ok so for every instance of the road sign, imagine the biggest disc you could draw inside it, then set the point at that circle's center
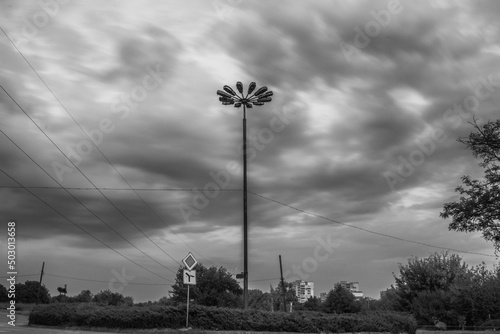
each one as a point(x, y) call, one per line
point(189, 277)
point(190, 261)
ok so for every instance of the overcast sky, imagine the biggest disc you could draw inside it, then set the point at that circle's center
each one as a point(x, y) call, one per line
point(369, 99)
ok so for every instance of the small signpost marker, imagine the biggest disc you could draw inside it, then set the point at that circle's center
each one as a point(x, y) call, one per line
point(189, 278)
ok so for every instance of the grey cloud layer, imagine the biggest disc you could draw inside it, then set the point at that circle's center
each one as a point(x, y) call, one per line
point(179, 133)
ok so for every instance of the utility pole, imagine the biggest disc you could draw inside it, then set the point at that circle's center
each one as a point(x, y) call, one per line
point(283, 285)
point(40, 285)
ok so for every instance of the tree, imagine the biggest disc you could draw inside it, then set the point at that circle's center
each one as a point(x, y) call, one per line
point(367, 304)
point(4, 295)
point(312, 304)
point(28, 292)
point(389, 300)
point(478, 208)
point(106, 297)
point(340, 300)
point(426, 286)
point(214, 287)
point(443, 287)
point(83, 297)
point(164, 301)
point(478, 299)
point(60, 299)
point(277, 296)
point(259, 300)
point(128, 301)
point(428, 306)
point(436, 272)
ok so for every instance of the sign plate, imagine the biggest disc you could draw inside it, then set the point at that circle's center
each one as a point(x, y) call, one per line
point(190, 261)
point(189, 277)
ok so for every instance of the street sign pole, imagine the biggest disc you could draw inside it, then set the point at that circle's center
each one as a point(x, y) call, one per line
point(189, 278)
point(187, 309)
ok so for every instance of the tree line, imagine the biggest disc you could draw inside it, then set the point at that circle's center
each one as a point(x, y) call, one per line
point(30, 292)
point(440, 287)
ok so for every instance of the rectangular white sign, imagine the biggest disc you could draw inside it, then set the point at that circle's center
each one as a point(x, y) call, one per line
point(189, 277)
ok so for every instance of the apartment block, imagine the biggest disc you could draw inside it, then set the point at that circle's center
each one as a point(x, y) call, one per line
point(353, 287)
point(303, 290)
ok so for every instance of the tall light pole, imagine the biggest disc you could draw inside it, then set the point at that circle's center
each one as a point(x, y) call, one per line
point(229, 97)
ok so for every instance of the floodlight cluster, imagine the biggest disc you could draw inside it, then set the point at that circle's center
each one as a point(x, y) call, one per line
point(228, 96)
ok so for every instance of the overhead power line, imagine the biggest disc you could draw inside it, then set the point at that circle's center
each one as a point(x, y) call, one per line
point(27, 275)
point(101, 281)
point(105, 157)
point(264, 279)
point(82, 229)
point(364, 229)
point(113, 188)
point(76, 199)
point(57, 182)
point(128, 283)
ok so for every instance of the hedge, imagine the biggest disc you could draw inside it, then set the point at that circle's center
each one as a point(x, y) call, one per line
point(211, 318)
point(492, 324)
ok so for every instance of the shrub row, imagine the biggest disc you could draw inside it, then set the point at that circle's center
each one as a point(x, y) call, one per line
point(492, 324)
point(210, 318)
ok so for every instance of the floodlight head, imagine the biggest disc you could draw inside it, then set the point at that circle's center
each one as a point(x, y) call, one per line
point(229, 90)
point(264, 99)
point(266, 94)
point(251, 88)
point(239, 86)
point(224, 94)
point(260, 90)
point(228, 96)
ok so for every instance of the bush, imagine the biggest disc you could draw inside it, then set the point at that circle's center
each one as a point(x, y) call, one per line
point(4, 295)
point(107, 297)
point(492, 324)
point(29, 291)
point(212, 318)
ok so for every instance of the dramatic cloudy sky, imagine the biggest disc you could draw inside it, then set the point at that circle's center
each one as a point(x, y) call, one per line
point(369, 98)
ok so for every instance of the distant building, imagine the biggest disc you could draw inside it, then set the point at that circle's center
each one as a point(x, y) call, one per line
point(353, 287)
point(323, 296)
point(303, 290)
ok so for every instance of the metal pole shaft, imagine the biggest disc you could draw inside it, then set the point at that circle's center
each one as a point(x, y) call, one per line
point(187, 309)
point(245, 213)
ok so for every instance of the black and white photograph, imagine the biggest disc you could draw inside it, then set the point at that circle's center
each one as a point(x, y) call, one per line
point(320, 166)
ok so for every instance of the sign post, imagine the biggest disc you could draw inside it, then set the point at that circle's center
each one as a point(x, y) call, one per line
point(187, 310)
point(189, 278)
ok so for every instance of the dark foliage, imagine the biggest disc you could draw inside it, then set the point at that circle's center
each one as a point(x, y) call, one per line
point(214, 287)
point(27, 292)
point(107, 297)
point(312, 304)
point(442, 287)
point(478, 208)
point(4, 296)
point(212, 318)
point(340, 300)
